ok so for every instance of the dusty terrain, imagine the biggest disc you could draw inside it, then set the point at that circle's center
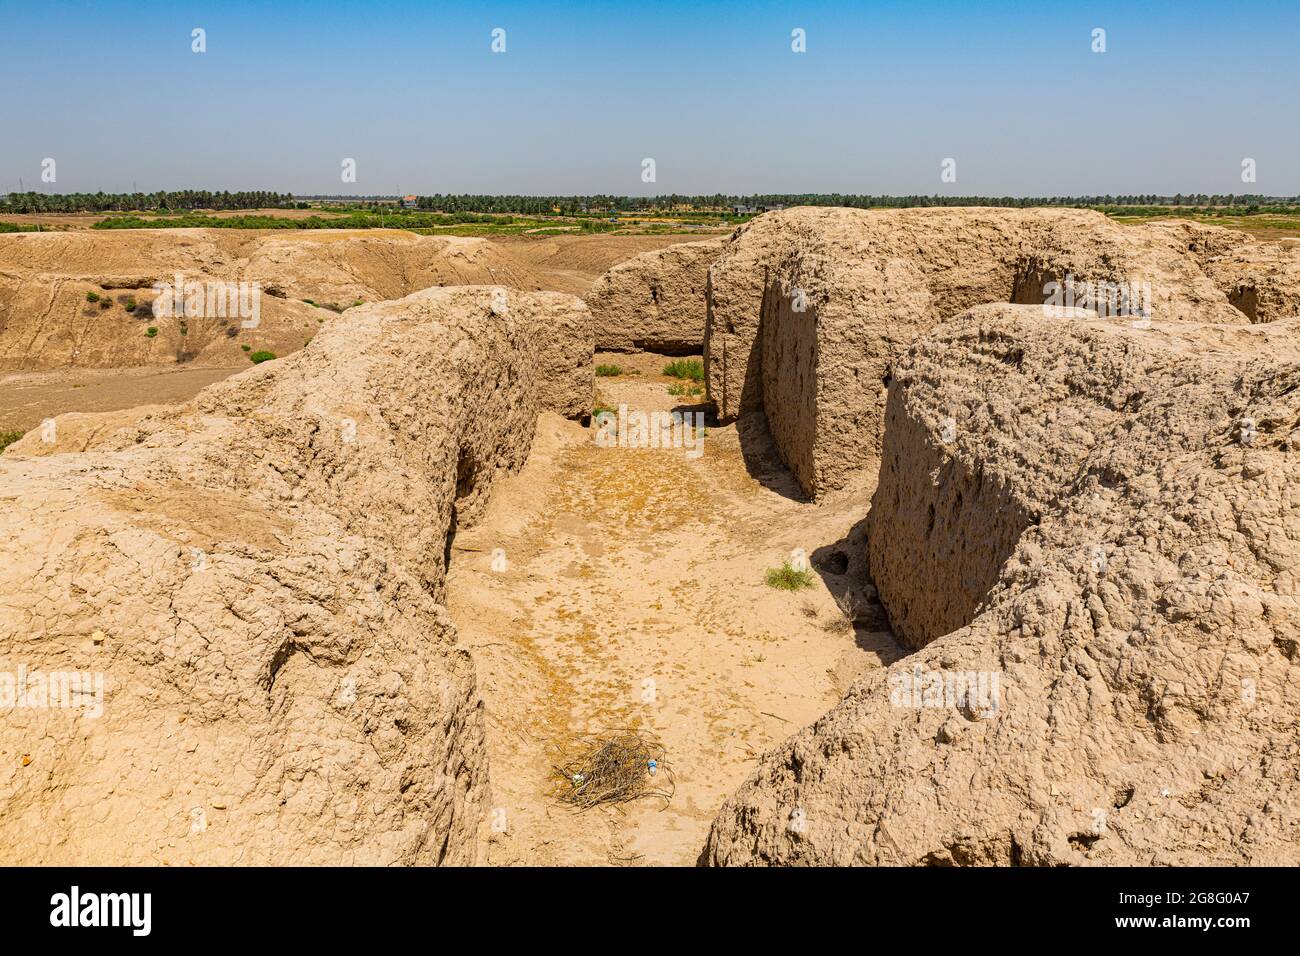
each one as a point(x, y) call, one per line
point(385, 578)
point(633, 597)
point(1119, 503)
point(257, 577)
point(28, 398)
point(573, 263)
point(651, 302)
point(57, 350)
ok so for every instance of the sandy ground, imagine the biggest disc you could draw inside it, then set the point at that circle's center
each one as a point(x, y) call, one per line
point(567, 263)
point(27, 398)
point(573, 263)
point(633, 595)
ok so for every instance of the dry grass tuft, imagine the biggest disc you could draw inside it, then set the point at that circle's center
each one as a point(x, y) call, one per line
point(614, 768)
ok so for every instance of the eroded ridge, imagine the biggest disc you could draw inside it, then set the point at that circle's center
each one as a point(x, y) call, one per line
point(655, 301)
point(258, 578)
point(809, 309)
point(1124, 689)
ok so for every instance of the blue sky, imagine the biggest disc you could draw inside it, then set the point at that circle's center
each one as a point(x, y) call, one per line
point(711, 91)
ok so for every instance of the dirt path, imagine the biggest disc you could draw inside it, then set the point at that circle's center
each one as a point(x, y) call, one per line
point(27, 398)
point(633, 596)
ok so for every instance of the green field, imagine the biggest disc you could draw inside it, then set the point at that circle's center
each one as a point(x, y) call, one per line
point(1266, 219)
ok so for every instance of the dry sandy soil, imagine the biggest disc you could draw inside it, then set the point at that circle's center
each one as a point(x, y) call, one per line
point(50, 290)
point(421, 575)
point(634, 596)
point(572, 263)
point(28, 398)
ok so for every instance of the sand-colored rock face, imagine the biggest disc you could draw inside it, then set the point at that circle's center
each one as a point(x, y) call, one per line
point(809, 308)
point(1261, 279)
point(563, 335)
point(1126, 498)
point(46, 321)
point(655, 301)
point(256, 579)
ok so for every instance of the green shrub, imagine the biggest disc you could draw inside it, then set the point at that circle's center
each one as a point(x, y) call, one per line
point(246, 347)
point(685, 368)
point(105, 303)
point(682, 388)
point(786, 578)
point(151, 331)
point(609, 370)
point(129, 303)
point(92, 296)
point(8, 438)
point(260, 356)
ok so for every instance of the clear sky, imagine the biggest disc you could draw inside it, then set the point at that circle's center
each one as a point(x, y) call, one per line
point(711, 91)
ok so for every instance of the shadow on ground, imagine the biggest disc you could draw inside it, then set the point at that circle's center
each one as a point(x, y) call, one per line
point(842, 566)
point(762, 461)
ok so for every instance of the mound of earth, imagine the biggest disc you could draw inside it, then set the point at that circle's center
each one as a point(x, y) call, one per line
point(808, 309)
point(571, 263)
point(47, 281)
point(654, 302)
point(1090, 532)
point(224, 621)
point(1262, 279)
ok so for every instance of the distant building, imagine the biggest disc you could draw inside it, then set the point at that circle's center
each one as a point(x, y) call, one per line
point(742, 210)
point(408, 202)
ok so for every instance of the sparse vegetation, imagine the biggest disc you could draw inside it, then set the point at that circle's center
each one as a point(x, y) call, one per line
point(92, 296)
point(151, 331)
point(105, 303)
point(786, 578)
point(612, 770)
point(692, 369)
point(682, 388)
point(246, 347)
point(609, 370)
point(8, 438)
point(129, 303)
point(850, 610)
point(260, 356)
